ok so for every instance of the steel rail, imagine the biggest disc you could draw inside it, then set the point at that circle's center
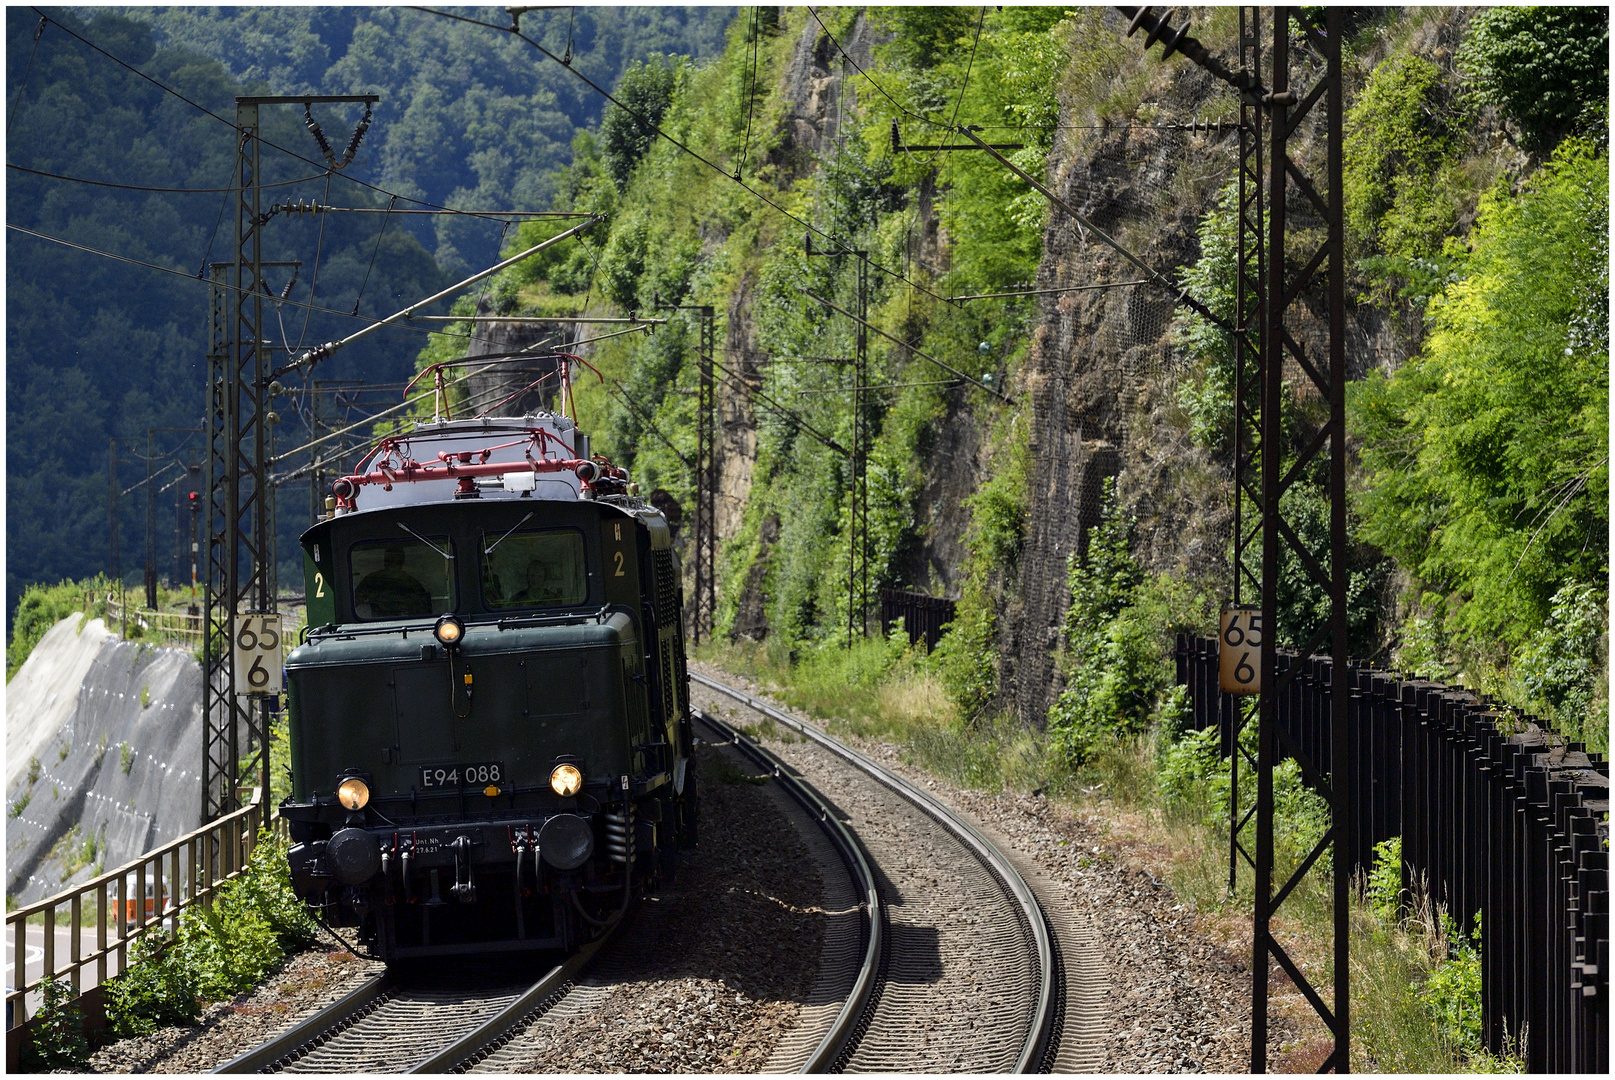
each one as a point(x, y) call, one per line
point(311, 1028)
point(1037, 1038)
point(330, 1020)
point(506, 1019)
point(835, 1040)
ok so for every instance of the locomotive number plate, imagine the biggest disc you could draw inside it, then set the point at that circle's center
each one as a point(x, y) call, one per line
point(457, 776)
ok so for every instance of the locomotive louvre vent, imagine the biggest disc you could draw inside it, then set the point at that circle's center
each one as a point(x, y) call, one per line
point(670, 705)
point(666, 589)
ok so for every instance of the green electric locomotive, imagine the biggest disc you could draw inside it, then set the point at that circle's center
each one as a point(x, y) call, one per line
point(489, 714)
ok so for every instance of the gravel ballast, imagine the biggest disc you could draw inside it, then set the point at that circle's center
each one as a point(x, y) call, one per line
point(1177, 1001)
point(709, 975)
point(306, 983)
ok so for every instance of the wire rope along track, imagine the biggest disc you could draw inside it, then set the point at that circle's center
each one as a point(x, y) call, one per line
point(1034, 1050)
point(836, 1040)
point(433, 1031)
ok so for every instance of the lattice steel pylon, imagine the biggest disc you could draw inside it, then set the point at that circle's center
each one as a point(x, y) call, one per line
point(1248, 311)
point(1275, 114)
point(858, 457)
point(1290, 108)
point(240, 518)
point(706, 485)
point(704, 610)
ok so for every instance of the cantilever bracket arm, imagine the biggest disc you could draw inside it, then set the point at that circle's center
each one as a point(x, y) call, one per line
point(313, 356)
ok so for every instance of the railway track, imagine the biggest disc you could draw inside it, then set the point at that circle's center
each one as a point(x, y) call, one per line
point(945, 959)
point(397, 1024)
point(965, 975)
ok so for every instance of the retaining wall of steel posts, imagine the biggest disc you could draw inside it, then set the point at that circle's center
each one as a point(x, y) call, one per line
point(923, 616)
point(1499, 817)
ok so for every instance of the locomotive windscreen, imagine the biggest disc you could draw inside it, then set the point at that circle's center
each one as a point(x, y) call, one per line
point(534, 569)
point(401, 579)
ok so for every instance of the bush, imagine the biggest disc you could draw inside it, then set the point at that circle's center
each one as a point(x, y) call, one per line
point(1546, 68)
point(1119, 630)
point(1452, 991)
point(1486, 470)
point(224, 949)
point(1384, 890)
point(58, 1041)
point(1188, 773)
point(1402, 141)
point(155, 990)
point(1208, 397)
point(1561, 668)
point(966, 659)
point(42, 607)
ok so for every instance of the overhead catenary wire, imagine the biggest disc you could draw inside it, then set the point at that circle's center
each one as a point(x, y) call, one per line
point(1051, 292)
point(922, 355)
point(321, 352)
point(785, 411)
point(1182, 293)
point(318, 208)
point(889, 386)
point(485, 362)
point(637, 115)
point(163, 190)
point(272, 145)
point(222, 284)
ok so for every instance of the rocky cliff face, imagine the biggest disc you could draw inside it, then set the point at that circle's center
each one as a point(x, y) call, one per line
point(1104, 372)
point(821, 90)
point(515, 389)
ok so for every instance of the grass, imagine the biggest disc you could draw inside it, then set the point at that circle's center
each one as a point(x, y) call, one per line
point(1164, 803)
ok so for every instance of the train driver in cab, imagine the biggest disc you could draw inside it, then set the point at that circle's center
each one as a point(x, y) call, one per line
point(392, 592)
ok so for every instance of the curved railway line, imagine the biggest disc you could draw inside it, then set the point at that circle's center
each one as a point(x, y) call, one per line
point(969, 977)
point(940, 957)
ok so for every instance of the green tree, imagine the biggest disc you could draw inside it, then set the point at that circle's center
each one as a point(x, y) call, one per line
point(1487, 456)
point(1546, 68)
point(626, 131)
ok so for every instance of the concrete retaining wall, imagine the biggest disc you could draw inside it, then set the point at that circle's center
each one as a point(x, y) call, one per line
point(122, 770)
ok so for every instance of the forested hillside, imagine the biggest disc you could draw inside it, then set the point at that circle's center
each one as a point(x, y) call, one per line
point(97, 348)
point(1003, 430)
point(1480, 516)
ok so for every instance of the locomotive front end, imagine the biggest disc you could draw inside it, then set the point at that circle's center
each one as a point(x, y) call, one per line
point(488, 722)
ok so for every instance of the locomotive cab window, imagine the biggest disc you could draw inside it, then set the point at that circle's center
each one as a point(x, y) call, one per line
point(404, 578)
point(534, 569)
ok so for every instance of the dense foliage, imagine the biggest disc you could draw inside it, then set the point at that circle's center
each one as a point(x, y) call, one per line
point(1546, 68)
point(1403, 140)
point(684, 233)
point(468, 117)
point(224, 948)
point(42, 607)
point(1487, 454)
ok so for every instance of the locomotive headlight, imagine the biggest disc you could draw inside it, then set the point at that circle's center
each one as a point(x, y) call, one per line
point(448, 631)
point(353, 793)
point(566, 781)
